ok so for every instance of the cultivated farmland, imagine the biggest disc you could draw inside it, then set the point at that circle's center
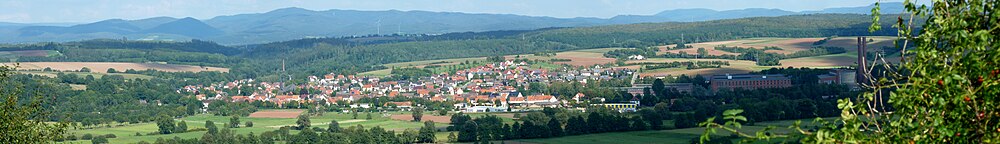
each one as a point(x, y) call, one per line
point(291, 113)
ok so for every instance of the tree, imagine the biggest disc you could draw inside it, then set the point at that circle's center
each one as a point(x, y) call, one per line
point(302, 122)
point(418, 113)
point(181, 127)
point(658, 88)
point(427, 133)
point(112, 70)
point(368, 115)
point(211, 127)
point(22, 123)
point(576, 126)
point(166, 124)
point(334, 127)
point(555, 128)
point(702, 52)
point(234, 122)
point(469, 132)
point(85, 69)
point(944, 91)
point(442, 112)
point(654, 118)
point(249, 124)
point(305, 136)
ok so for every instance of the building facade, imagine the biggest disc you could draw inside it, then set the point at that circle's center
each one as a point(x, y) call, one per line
point(749, 81)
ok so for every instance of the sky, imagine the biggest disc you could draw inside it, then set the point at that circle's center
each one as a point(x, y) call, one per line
point(84, 11)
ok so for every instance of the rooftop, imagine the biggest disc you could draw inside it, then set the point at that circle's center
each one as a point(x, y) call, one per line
point(750, 77)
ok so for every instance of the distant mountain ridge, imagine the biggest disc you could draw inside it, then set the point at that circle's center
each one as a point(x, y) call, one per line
point(296, 23)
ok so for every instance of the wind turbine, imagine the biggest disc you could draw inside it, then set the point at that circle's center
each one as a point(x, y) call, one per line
point(378, 26)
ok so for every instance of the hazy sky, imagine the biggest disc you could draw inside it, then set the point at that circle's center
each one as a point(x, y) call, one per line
point(46, 11)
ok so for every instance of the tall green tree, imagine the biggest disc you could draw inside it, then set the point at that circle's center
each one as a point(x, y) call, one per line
point(702, 52)
point(24, 123)
point(658, 88)
point(427, 132)
point(469, 132)
point(212, 129)
point(418, 113)
point(181, 127)
point(234, 121)
point(368, 115)
point(165, 124)
point(334, 127)
point(303, 122)
point(555, 127)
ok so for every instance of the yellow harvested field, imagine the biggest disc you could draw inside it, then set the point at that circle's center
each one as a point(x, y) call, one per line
point(583, 58)
point(292, 113)
point(102, 67)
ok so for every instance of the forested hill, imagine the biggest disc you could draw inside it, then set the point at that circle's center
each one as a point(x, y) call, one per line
point(296, 23)
point(811, 25)
point(358, 54)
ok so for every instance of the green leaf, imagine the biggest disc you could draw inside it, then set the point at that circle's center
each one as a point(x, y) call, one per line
point(732, 112)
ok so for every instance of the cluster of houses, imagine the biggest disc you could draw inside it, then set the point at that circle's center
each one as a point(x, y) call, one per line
point(486, 88)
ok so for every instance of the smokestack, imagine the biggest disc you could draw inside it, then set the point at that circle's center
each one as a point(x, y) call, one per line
point(862, 62)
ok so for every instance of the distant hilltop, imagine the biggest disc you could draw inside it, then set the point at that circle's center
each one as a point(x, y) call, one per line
point(296, 23)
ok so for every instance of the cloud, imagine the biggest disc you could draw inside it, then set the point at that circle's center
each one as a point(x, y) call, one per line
point(15, 17)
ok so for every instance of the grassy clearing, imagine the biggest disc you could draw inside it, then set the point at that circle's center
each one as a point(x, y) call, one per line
point(377, 73)
point(126, 134)
point(78, 86)
point(662, 136)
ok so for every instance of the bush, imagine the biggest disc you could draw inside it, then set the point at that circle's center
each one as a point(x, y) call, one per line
point(110, 136)
point(71, 137)
point(87, 136)
point(248, 124)
point(99, 140)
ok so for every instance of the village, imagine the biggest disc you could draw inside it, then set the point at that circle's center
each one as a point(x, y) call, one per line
point(488, 88)
point(493, 87)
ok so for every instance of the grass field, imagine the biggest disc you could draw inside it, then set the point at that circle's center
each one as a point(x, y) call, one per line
point(126, 134)
point(84, 74)
point(661, 136)
point(102, 67)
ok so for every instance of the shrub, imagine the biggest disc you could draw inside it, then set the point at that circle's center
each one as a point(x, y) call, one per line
point(87, 136)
